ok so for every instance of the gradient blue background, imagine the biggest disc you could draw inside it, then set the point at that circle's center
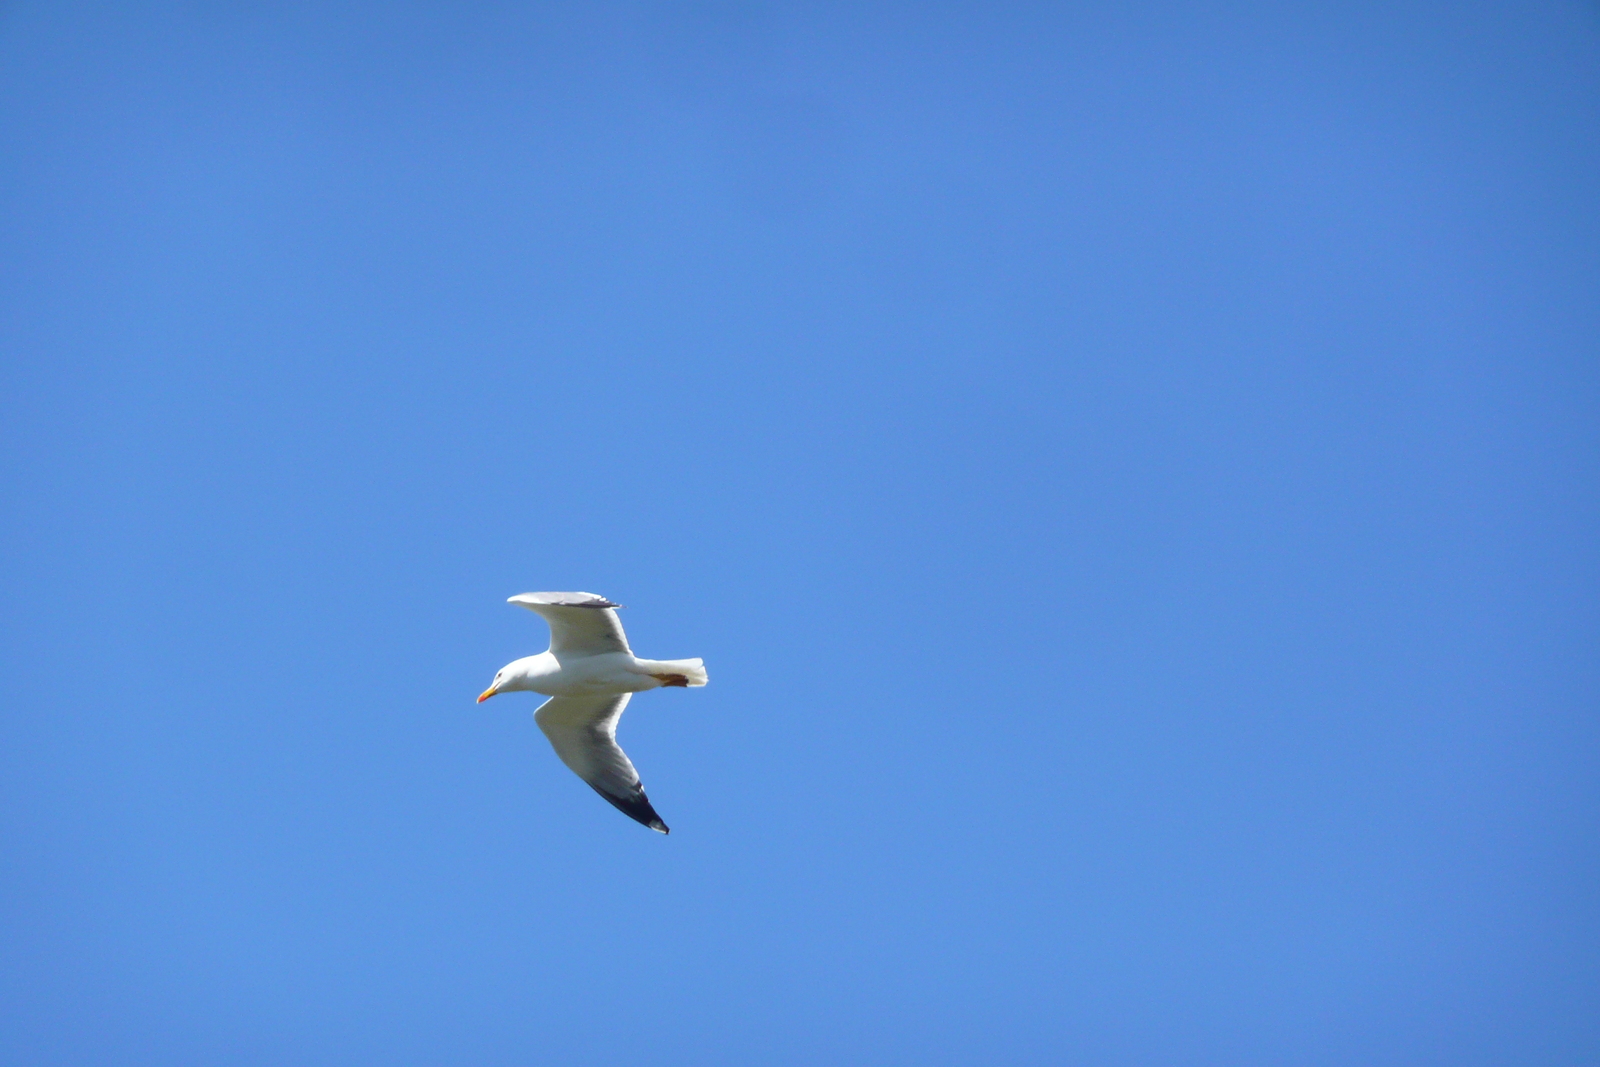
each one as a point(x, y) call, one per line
point(1130, 469)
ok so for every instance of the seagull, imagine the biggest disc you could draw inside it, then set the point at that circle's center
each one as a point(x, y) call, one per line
point(589, 673)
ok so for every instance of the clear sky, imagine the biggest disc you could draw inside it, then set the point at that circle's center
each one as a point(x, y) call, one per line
point(1130, 470)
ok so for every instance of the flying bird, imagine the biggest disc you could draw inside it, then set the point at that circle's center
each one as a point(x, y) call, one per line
point(589, 673)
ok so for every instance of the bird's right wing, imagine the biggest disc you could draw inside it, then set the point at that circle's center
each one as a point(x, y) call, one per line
point(583, 731)
point(581, 624)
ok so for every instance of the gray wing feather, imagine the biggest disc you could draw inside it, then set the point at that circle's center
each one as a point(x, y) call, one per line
point(581, 624)
point(583, 731)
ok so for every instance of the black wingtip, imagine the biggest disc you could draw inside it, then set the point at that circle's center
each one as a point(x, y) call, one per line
point(637, 808)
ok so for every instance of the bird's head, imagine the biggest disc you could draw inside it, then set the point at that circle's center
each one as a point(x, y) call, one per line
point(504, 678)
point(517, 675)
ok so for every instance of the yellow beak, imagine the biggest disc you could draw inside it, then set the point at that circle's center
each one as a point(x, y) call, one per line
point(486, 694)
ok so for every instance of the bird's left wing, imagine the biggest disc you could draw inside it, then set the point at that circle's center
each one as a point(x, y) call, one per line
point(581, 624)
point(583, 731)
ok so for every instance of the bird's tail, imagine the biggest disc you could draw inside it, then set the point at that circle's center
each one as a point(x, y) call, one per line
point(681, 672)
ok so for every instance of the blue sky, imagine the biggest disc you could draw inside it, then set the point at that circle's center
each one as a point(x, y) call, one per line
point(1129, 469)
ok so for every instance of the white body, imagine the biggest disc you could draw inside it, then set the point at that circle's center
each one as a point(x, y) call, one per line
point(606, 674)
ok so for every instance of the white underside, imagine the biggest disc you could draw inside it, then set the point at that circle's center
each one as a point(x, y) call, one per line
point(608, 674)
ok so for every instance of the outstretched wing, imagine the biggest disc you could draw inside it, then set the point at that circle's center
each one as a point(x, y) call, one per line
point(583, 731)
point(581, 624)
